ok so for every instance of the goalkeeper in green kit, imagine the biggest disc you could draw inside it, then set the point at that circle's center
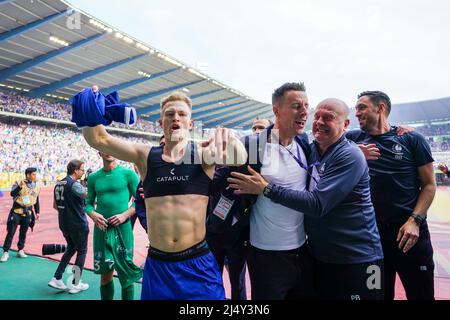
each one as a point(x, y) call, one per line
point(108, 204)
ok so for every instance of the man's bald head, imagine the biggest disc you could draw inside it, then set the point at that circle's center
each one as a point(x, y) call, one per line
point(336, 105)
point(331, 119)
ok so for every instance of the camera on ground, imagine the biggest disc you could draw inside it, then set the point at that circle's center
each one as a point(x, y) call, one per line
point(50, 249)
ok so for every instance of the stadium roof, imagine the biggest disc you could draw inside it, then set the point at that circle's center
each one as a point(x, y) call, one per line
point(48, 48)
point(421, 112)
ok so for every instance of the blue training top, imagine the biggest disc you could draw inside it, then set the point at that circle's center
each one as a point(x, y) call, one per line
point(339, 216)
point(394, 179)
point(170, 179)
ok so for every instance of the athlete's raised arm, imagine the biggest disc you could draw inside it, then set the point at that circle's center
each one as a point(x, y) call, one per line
point(99, 139)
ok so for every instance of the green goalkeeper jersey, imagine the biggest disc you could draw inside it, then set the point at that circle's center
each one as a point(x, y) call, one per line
point(109, 194)
point(111, 190)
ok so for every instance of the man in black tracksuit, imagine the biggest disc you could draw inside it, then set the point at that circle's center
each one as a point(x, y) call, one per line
point(69, 200)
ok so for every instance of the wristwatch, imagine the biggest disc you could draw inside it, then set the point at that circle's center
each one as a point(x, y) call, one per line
point(268, 190)
point(419, 219)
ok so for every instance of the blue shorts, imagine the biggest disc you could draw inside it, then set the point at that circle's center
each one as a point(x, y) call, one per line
point(192, 274)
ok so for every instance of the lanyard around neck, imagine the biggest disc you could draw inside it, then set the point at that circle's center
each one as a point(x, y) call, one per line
point(300, 163)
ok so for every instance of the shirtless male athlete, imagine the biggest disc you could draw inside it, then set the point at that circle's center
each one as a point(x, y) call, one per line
point(176, 179)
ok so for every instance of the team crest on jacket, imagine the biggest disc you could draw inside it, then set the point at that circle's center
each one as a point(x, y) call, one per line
point(398, 151)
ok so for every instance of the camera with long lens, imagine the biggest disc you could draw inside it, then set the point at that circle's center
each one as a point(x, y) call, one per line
point(49, 249)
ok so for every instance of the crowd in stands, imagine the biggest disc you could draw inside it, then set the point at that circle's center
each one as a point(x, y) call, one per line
point(34, 107)
point(46, 148)
point(15, 103)
point(12, 102)
point(434, 130)
point(439, 146)
point(49, 148)
point(437, 135)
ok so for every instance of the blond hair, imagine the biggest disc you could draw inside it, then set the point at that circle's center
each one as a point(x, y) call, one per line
point(176, 96)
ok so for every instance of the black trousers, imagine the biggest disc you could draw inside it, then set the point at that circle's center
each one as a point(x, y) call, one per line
point(14, 220)
point(77, 241)
point(236, 256)
point(281, 275)
point(362, 281)
point(133, 220)
point(415, 268)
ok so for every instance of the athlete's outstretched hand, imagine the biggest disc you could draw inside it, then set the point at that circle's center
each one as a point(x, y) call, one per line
point(223, 148)
point(215, 148)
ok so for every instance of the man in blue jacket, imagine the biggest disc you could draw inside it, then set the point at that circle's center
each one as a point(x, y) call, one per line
point(339, 216)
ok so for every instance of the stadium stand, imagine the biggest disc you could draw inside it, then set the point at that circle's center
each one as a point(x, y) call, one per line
point(12, 102)
point(46, 147)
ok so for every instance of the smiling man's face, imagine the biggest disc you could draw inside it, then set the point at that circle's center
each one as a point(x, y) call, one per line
point(330, 122)
point(292, 112)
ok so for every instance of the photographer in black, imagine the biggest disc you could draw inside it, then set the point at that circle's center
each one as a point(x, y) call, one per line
point(24, 212)
point(69, 200)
